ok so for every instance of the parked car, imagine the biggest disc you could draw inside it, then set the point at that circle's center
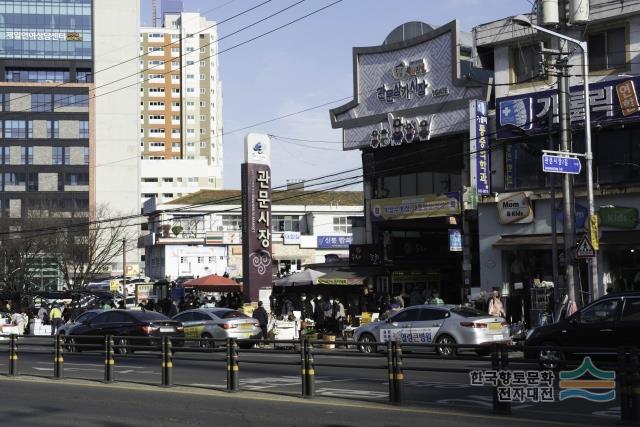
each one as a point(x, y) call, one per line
point(218, 323)
point(131, 327)
point(605, 324)
point(435, 323)
point(81, 319)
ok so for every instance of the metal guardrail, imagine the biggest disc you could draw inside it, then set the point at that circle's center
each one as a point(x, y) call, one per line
point(626, 365)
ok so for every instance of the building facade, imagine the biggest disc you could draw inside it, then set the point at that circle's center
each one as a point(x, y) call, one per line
point(411, 118)
point(201, 234)
point(53, 119)
point(516, 222)
point(180, 107)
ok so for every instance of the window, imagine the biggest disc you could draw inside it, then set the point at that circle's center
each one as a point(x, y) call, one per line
point(191, 90)
point(18, 129)
point(85, 154)
point(70, 100)
point(36, 76)
point(156, 90)
point(26, 155)
point(607, 49)
point(525, 63)
point(432, 314)
point(15, 178)
point(32, 181)
point(40, 102)
point(53, 131)
point(149, 179)
point(231, 223)
point(84, 129)
point(167, 179)
point(631, 312)
point(156, 49)
point(76, 179)
point(200, 260)
point(5, 152)
point(167, 194)
point(61, 155)
point(156, 117)
point(281, 223)
point(156, 104)
point(409, 315)
point(604, 311)
point(203, 118)
point(341, 224)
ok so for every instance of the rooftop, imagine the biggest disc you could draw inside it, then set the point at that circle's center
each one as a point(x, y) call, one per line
point(282, 197)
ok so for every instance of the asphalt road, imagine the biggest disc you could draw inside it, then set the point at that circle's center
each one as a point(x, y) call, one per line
point(278, 373)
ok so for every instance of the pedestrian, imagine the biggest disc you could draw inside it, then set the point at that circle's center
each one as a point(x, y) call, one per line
point(56, 319)
point(435, 298)
point(173, 309)
point(260, 314)
point(43, 313)
point(496, 308)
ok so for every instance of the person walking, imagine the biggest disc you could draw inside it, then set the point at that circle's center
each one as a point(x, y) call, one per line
point(496, 308)
point(260, 314)
point(55, 315)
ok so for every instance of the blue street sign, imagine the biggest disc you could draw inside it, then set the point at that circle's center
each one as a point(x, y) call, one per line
point(561, 164)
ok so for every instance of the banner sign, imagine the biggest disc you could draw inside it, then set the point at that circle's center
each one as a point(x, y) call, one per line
point(334, 242)
point(455, 240)
point(614, 217)
point(427, 206)
point(514, 208)
point(610, 101)
point(365, 254)
point(256, 215)
point(582, 213)
point(480, 156)
point(291, 237)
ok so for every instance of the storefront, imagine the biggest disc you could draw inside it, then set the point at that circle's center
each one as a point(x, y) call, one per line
point(415, 105)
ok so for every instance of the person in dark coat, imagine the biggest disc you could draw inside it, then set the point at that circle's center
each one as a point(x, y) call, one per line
point(306, 307)
point(260, 314)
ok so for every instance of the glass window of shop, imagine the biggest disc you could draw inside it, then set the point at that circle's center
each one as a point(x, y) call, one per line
point(280, 223)
point(413, 184)
point(616, 159)
point(59, 29)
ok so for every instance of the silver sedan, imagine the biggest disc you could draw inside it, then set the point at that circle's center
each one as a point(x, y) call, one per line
point(439, 324)
point(218, 323)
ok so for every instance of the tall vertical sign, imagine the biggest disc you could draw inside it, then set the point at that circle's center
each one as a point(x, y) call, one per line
point(256, 215)
point(480, 156)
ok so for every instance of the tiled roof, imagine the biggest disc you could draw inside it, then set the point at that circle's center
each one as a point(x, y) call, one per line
point(282, 197)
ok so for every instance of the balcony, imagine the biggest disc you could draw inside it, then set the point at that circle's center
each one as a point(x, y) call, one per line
point(156, 107)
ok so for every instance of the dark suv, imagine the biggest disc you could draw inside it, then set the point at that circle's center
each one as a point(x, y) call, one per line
point(605, 325)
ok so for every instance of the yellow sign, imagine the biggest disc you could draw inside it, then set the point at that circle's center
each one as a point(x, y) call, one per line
point(593, 232)
point(114, 286)
point(74, 37)
point(194, 331)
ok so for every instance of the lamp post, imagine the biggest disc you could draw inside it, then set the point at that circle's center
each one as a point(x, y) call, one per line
point(525, 22)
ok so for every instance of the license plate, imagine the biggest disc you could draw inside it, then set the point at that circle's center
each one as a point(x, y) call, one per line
point(167, 329)
point(496, 337)
point(246, 326)
point(494, 326)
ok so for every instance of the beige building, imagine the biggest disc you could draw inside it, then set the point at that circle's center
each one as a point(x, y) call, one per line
point(180, 107)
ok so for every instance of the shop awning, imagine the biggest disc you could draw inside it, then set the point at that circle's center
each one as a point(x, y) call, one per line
point(213, 283)
point(629, 238)
point(304, 278)
point(528, 241)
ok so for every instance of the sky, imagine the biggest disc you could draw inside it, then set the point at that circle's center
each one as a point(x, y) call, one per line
point(307, 64)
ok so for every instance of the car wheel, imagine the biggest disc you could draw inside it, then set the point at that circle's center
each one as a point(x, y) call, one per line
point(446, 351)
point(550, 359)
point(365, 346)
point(123, 346)
point(205, 344)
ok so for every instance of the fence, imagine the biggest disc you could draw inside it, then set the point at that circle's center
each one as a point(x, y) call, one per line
point(389, 354)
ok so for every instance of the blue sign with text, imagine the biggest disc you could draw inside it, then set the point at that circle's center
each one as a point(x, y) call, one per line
point(561, 164)
point(334, 242)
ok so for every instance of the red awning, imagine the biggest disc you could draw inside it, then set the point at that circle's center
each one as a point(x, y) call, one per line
point(213, 283)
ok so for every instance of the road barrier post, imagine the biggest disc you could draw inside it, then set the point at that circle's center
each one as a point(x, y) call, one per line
point(398, 374)
point(232, 365)
point(13, 355)
point(391, 372)
point(635, 387)
point(303, 365)
point(58, 360)
point(167, 362)
point(109, 361)
point(498, 363)
point(311, 373)
point(629, 386)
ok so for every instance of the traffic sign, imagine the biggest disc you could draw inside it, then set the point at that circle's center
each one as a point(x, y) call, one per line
point(561, 164)
point(585, 249)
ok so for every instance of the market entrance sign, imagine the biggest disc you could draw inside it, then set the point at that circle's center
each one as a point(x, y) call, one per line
point(427, 206)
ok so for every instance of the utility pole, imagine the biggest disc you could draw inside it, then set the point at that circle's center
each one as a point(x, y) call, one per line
point(568, 222)
point(124, 269)
point(557, 291)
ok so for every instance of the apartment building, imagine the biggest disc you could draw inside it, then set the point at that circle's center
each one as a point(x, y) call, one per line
point(180, 107)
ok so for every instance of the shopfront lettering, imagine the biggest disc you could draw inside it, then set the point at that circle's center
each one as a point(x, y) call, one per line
point(401, 90)
point(401, 131)
point(515, 208)
point(30, 35)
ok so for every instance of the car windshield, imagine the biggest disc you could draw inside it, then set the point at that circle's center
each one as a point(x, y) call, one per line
point(468, 312)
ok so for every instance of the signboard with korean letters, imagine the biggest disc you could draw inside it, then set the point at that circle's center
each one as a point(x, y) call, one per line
point(611, 101)
point(256, 215)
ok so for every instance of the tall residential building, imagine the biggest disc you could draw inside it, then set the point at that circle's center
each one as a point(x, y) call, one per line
point(68, 145)
point(180, 107)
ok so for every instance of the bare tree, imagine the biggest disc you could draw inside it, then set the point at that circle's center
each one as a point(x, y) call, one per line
point(84, 248)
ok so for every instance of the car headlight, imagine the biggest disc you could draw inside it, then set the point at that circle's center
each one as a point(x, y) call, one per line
point(529, 334)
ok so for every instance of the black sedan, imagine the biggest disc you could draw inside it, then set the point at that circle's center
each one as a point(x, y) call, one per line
point(133, 330)
point(602, 326)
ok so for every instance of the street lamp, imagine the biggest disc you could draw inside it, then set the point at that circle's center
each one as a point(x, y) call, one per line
point(526, 22)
